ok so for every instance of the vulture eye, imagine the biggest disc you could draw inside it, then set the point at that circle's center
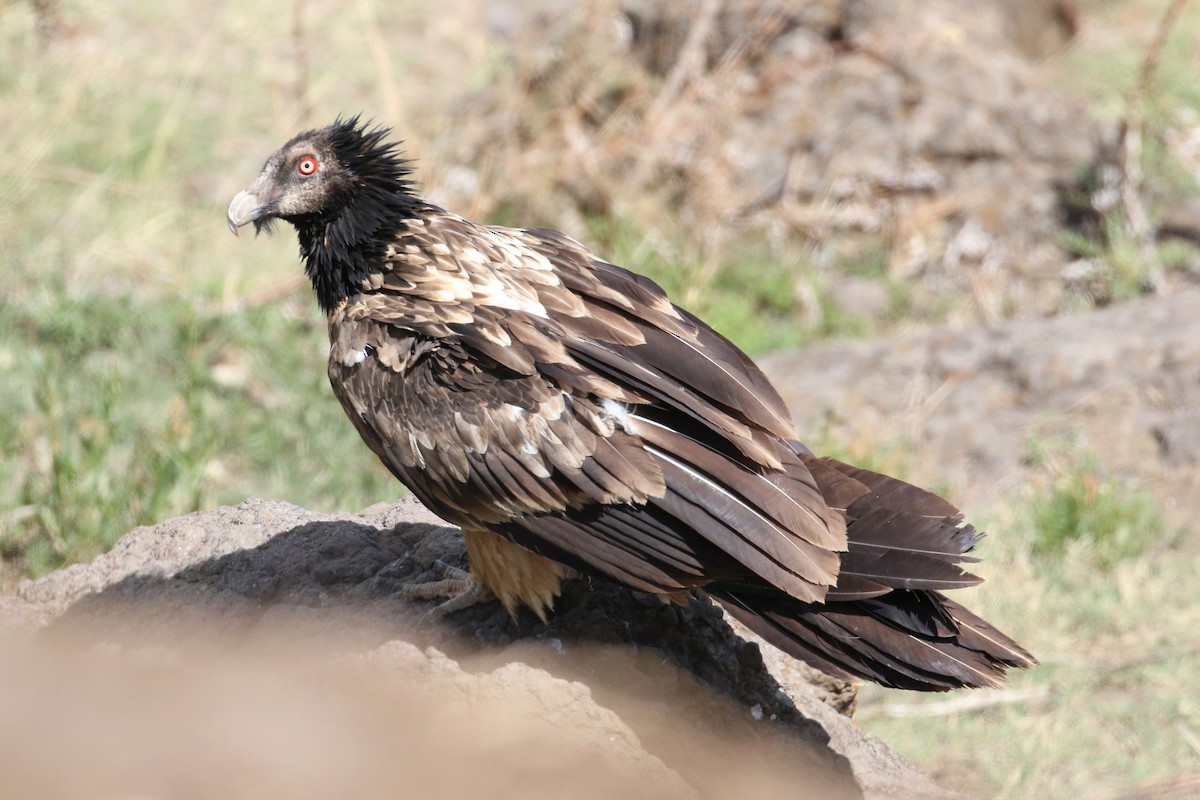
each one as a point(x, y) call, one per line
point(306, 165)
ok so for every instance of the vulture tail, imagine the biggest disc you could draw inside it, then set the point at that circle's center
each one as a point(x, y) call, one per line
point(886, 620)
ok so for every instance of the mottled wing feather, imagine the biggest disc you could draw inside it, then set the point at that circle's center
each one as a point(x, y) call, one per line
point(480, 367)
point(476, 447)
point(672, 341)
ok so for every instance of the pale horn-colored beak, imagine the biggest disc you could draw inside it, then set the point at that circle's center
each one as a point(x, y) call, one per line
point(245, 208)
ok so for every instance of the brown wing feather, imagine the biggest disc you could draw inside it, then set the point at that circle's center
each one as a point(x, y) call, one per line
point(533, 406)
point(516, 384)
point(673, 342)
point(487, 450)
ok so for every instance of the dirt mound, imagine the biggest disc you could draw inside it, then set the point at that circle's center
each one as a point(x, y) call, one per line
point(1123, 383)
point(393, 722)
point(519, 709)
point(923, 133)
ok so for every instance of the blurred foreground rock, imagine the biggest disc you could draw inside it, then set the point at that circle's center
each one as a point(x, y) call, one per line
point(619, 695)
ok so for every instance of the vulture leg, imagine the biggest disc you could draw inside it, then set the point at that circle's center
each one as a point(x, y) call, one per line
point(500, 570)
point(460, 588)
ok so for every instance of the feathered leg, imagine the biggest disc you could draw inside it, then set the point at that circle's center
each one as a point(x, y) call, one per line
point(499, 569)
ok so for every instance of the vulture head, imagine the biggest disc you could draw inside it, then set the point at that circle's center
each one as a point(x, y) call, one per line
point(346, 190)
point(320, 174)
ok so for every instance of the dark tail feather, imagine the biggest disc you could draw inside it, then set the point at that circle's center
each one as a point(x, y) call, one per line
point(885, 620)
point(905, 640)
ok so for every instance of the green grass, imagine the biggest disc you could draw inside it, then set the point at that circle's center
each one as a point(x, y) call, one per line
point(123, 412)
point(1084, 508)
point(1111, 619)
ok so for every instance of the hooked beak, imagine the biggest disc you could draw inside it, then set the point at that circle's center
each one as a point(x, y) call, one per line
point(245, 208)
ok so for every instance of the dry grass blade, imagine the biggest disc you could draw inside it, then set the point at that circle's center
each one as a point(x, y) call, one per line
point(1189, 736)
point(1153, 657)
point(690, 64)
point(1123, 183)
point(963, 704)
point(300, 46)
point(393, 107)
point(1173, 788)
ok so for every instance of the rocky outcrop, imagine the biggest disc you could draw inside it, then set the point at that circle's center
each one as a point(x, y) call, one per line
point(619, 695)
point(919, 135)
point(968, 406)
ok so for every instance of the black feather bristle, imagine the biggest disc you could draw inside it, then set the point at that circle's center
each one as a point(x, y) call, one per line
point(340, 245)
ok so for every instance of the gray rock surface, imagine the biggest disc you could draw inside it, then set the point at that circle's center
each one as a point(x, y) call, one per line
point(1122, 383)
point(666, 701)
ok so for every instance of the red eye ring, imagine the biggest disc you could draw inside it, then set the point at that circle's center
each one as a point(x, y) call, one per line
point(306, 166)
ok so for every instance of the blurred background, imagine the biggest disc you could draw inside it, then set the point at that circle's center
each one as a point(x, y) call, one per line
point(795, 173)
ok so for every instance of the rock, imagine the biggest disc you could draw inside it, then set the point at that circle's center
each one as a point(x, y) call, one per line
point(649, 700)
point(861, 297)
point(925, 128)
point(127, 721)
point(967, 404)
